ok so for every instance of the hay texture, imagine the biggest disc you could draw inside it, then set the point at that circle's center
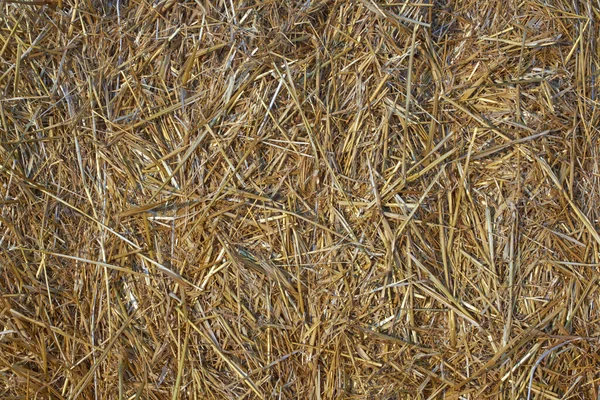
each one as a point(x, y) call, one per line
point(253, 199)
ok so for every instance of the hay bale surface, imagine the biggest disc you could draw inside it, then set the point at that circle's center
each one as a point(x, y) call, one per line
point(303, 199)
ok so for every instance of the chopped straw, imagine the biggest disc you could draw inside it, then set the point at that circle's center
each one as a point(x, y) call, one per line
point(315, 199)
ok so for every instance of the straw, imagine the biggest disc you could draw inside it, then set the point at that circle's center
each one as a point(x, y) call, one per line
point(299, 200)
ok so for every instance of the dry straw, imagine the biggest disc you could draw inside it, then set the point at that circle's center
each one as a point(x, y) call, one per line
point(299, 199)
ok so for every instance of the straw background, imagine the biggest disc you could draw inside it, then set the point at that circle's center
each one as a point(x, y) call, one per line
point(318, 199)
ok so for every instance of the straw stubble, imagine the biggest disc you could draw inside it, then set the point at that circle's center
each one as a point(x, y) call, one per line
point(305, 199)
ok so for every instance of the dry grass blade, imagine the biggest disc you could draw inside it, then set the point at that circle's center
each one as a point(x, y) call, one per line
point(313, 199)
